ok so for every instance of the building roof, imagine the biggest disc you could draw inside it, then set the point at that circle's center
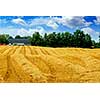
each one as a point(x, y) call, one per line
point(25, 41)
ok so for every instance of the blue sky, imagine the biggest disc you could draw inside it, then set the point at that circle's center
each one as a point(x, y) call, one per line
point(27, 25)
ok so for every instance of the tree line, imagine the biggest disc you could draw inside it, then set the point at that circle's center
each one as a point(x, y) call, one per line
point(61, 39)
point(64, 39)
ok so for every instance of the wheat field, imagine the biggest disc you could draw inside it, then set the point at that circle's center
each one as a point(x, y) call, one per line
point(33, 64)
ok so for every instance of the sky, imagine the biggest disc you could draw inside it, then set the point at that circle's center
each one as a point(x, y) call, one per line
point(27, 25)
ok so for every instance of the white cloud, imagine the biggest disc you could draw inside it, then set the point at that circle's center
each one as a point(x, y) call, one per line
point(89, 31)
point(97, 21)
point(39, 21)
point(68, 17)
point(19, 21)
point(39, 29)
point(69, 21)
point(92, 32)
point(10, 31)
point(29, 32)
point(72, 21)
point(22, 31)
point(52, 24)
point(44, 21)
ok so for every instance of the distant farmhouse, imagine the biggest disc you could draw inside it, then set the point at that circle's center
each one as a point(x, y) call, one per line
point(19, 42)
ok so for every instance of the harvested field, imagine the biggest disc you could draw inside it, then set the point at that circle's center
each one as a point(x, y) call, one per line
point(31, 64)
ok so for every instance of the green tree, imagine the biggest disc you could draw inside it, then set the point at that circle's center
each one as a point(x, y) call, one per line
point(52, 39)
point(45, 40)
point(58, 40)
point(36, 39)
point(79, 38)
point(10, 37)
point(4, 39)
point(66, 39)
point(17, 37)
point(88, 42)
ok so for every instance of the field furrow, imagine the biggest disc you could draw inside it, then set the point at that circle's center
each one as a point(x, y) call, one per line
point(25, 64)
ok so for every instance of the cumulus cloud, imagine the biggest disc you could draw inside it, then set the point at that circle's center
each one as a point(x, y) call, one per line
point(19, 21)
point(39, 21)
point(94, 34)
point(89, 30)
point(29, 32)
point(10, 31)
point(39, 29)
point(44, 21)
point(22, 31)
point(97, 21)
point(73, 21)
point(52, 24)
